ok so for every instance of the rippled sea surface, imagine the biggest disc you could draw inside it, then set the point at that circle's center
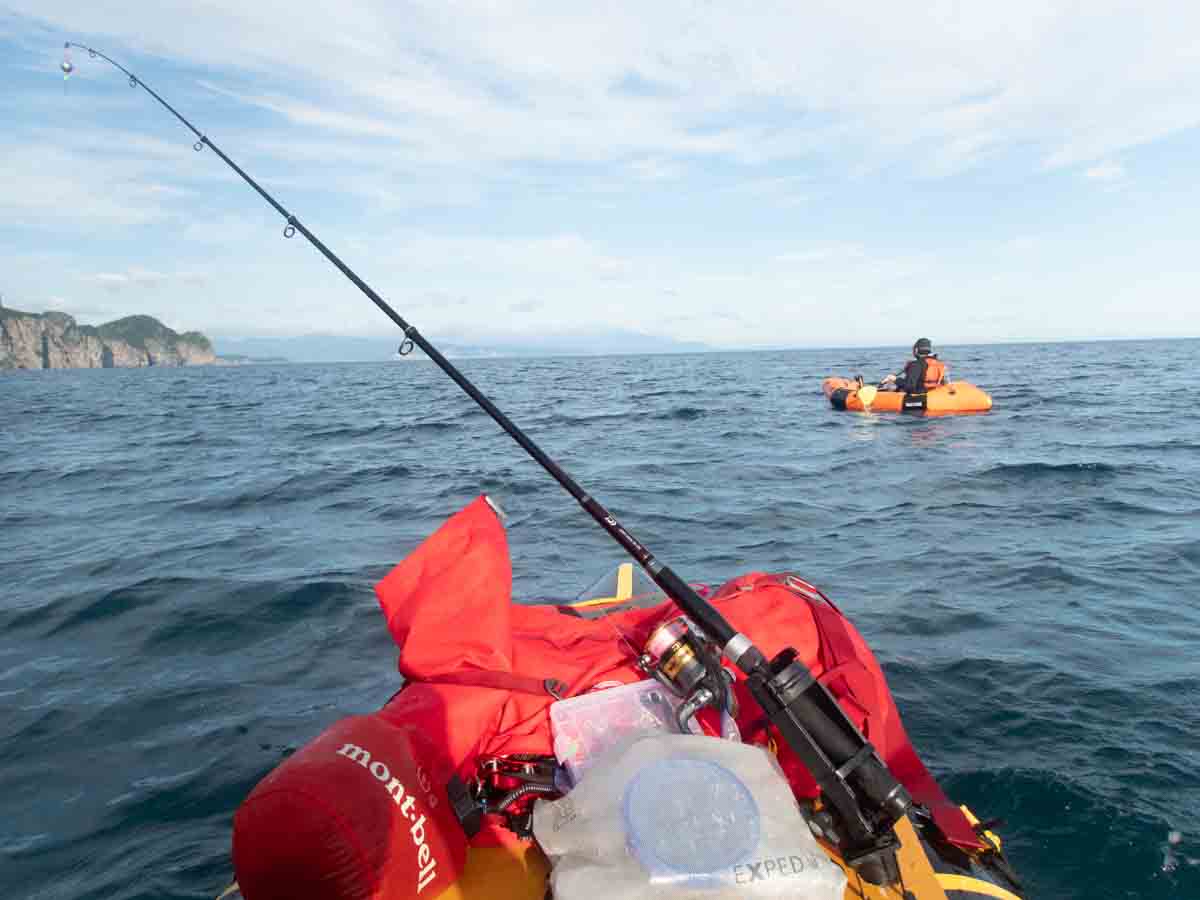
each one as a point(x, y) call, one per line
point(188, 559)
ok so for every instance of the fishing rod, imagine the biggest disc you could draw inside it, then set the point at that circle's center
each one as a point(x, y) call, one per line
point(867, 798)
point(675, 587)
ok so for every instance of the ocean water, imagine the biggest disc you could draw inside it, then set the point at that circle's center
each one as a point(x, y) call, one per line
point(188, 559)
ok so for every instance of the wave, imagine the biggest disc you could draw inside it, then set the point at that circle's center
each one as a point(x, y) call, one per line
point(251, 613)
point(294, 488)
point(666, 392)
point(1044, 817)
point(354, 432)
point(115, 603)
point(1042, 471)
point(194, 596)
point(685, 413)
point(592, 419)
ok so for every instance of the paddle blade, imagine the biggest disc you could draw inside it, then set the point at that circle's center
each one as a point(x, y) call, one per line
point(867, 395)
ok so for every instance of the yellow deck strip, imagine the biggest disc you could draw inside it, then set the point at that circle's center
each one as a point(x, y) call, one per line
point(971, 885)
point(625, 581)
point(918, 876)
point(624, 589)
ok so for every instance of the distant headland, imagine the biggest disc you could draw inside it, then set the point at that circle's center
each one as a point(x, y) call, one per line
point(54, 340)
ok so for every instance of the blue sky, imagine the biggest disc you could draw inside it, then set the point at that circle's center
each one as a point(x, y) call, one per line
point(741, 174)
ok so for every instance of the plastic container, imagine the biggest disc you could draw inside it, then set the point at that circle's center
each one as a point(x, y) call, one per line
point(584, 727)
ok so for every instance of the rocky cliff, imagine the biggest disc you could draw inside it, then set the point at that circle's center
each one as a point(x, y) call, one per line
point(53, 340)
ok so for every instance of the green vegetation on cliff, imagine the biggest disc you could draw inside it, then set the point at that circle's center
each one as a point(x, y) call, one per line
point(136, 330)
point(195, 337)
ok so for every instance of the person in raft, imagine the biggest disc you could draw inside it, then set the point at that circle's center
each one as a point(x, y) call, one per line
point(921, 373)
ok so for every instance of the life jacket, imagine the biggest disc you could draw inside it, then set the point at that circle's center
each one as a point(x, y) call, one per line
point(935, 371)
point(364, 806)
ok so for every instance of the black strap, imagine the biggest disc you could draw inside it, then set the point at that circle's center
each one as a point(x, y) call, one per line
point(468, 812)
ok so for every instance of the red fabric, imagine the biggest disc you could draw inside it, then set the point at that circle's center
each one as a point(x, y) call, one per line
point(324, 824)
point(537, 642)
point(359, 813)
point(447, 605)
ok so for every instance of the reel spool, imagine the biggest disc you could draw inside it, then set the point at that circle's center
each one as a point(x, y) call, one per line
point(679, 658)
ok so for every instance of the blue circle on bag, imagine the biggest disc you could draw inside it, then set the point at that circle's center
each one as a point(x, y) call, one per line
point(690, 820)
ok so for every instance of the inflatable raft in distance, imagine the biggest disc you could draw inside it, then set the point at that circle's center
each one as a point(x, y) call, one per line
point(949, 399)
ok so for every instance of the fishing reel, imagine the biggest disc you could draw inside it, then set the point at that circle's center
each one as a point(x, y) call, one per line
point(863, 799)
point(687, 664)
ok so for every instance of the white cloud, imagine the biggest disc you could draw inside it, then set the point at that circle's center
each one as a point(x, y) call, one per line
point(1105, 171)
point(92, 177)
point(110, 281)
point(146, 277)
point(944, 86)
point(782, 190)
point(226, 230)
point(428, 127)
point(651, 169)
point(823, 254)
point(139, 277)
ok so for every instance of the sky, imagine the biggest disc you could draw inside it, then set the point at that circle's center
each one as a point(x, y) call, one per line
point(739, 174)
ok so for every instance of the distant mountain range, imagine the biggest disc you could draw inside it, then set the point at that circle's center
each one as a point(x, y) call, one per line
point(56, 340)
point(335, 348)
